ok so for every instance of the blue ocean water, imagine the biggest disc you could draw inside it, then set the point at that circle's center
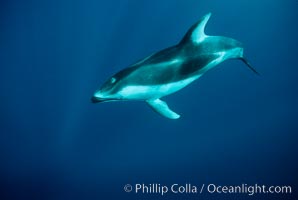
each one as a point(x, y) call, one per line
point(236, 127)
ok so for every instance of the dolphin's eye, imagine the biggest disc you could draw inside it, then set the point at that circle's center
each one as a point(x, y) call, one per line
point(113, 80)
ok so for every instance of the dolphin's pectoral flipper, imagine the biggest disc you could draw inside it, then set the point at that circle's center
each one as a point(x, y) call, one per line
point(162, 108)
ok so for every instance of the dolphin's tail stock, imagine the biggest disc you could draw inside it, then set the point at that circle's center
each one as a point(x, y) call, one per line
point(249, 65)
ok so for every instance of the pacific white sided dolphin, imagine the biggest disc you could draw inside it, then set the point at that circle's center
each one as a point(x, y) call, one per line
point(171, 69)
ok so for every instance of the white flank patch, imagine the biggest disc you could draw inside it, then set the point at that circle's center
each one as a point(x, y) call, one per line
point(140, 92)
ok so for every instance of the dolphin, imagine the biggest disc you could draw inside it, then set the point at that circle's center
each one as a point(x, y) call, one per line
point(171, 69)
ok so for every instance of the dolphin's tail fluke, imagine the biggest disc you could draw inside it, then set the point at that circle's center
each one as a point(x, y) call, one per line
point(249, 65)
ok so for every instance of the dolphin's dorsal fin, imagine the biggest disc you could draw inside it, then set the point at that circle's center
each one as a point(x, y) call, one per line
point(196, 33)
point(162, 108)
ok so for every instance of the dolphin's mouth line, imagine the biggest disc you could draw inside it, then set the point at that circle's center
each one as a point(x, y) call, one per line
point(100, 100)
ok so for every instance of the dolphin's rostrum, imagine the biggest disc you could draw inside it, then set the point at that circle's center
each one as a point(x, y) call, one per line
point(171, 69)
